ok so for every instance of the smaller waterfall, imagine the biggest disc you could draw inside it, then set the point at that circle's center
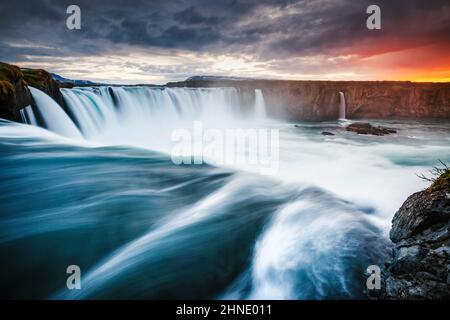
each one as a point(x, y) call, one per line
point(53, 115)
point(28, 116)
point(342, 105)
point(260, 106)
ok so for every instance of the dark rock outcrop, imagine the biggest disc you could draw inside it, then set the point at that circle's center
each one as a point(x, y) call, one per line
point(319, 100)
point(43, 81)
point(420, 230)
point(367, 128)
point(14, 93)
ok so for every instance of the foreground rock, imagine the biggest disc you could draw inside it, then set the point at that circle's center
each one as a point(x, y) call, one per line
point(367, 128)
point(420, 230)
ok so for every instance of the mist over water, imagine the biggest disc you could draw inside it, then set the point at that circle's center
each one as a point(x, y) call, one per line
point(98, 189)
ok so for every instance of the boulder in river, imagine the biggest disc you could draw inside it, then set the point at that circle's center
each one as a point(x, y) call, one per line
point(367, 128)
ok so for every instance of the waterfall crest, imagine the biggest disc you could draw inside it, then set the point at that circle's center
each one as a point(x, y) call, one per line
point(54, 117)
point(94, 112)
point(260, 106)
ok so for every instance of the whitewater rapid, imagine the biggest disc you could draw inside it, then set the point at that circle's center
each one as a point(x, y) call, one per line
point(93, 184)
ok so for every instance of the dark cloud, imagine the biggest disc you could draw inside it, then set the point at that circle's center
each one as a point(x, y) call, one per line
point(192, 16)
point(264, 28)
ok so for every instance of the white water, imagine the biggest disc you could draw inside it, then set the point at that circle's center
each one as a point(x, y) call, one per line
point(53, 115)
point(260, 106)
point(28, 117)
point(342, 105)
point(98, 110)
point(359, 169)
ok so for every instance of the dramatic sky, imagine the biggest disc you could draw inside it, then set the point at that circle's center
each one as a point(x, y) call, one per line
point(137, 41)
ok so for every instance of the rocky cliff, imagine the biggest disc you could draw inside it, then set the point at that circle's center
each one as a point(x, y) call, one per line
point(319, 100)
point(14, 92)
point(420, 268)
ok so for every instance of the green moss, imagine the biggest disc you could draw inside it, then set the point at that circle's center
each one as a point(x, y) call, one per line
point(9, 73)
point(6, 88)
point(37, 78)
point(442, 182)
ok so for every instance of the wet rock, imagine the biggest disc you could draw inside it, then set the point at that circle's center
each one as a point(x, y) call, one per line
point(326, 133)
point(367, 128)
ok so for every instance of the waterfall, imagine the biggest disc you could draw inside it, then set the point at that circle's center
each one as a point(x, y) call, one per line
point(54, 117)
point(97, 110)
point(28, 116)
point(260, 106)
point(139, 116)
point(342, 105)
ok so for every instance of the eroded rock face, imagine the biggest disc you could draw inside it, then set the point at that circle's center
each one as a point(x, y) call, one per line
point(420, 268)
point(14, 93)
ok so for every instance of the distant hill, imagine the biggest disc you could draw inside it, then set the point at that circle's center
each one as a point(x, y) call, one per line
point(57, 77)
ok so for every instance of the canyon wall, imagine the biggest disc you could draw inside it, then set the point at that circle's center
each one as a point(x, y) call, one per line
point(319, 100)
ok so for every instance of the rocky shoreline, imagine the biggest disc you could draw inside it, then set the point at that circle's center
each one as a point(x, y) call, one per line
point(420, 268)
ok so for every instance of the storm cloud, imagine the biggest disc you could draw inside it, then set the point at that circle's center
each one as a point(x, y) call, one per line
point(311, 34)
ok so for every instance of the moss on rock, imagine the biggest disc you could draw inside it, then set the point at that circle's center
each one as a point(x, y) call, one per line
point(14, 93)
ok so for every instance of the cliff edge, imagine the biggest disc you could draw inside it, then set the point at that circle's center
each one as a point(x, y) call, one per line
point(14, 92)
point(420, 268)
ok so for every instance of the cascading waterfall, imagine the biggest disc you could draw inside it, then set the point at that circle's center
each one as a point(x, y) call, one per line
point(260, 106)
point(28, 116)
point(54, 117)
point(342, 106)
point(100, 111)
